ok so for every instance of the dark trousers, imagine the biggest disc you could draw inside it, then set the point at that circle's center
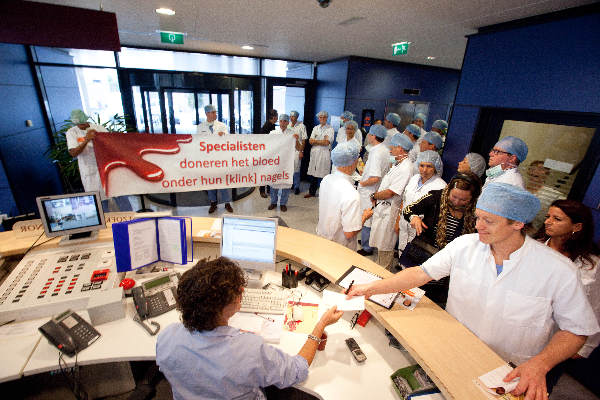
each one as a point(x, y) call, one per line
point(585, 371)
point(314, 185)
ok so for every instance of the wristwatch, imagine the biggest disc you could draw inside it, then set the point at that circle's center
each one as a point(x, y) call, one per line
point(372, 196)
point(316, 339)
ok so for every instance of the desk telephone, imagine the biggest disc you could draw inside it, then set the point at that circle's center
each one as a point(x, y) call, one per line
point(69, 333)
point(156, 296)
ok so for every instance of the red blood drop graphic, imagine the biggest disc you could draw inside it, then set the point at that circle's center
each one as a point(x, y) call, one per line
point(115, 150)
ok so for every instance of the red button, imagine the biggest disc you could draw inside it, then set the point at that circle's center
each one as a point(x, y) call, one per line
point(43, 291)
point(50, 279)
point(58, 286)
point(71, 287)
point(61, 281)
point(57, 290)
point(60, 346)
point(46, 287)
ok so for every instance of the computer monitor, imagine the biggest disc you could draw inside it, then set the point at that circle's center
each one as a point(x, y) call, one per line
point(76, 217)
point(250, 241)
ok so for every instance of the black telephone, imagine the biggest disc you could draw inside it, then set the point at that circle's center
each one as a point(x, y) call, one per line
point(156, 296)
point(69, 333)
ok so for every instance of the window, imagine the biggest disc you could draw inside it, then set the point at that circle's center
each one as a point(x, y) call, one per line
point(58, 55)
point(287, 69)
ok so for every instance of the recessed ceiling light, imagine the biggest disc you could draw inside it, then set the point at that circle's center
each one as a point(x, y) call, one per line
point(165, 11)
point(246, 47)
point(430, 58)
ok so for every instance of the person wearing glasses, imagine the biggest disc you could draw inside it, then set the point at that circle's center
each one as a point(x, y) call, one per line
point(505, 157)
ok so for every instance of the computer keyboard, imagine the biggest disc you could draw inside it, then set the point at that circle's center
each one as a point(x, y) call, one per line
point(263, 301)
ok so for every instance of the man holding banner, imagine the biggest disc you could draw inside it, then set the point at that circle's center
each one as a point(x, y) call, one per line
point(283, 190)
point(214, 127)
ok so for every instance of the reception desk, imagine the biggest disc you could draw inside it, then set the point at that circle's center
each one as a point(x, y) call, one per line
point(451, 355)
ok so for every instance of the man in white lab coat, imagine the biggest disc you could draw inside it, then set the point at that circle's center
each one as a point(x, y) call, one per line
point(214, 127)
point(517, 295)
point(282, 191)
point(388, 199)
point(320, 157)
point(300, 129)
point(378, 164)
point(340, 217)
point(391, 122)
point(413, 132)
point(505, 157)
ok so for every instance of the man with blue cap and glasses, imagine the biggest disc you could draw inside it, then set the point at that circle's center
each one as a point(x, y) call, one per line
point(505, 157)
point(387, 200)
point(518, 296)
point(378, 164)
point(300, 130)
point(340, 213)
point(212, 126)
point(391, 122)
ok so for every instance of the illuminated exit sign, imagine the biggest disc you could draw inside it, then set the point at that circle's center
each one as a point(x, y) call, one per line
point(400, 48)
point(171, 37)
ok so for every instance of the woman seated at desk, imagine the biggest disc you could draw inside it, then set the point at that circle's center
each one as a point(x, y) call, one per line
point(204, 357)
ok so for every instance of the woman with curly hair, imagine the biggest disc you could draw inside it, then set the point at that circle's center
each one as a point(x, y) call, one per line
point(204, 357)
point(569, 229)
point(447, 213)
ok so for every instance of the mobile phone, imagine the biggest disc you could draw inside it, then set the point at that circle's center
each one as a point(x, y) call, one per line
point(355, 350)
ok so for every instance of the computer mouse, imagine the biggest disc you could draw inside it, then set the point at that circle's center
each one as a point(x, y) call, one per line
point(297, 313)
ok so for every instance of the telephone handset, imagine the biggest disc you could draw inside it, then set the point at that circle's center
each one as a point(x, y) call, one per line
point(156, 296)
point(69, 333)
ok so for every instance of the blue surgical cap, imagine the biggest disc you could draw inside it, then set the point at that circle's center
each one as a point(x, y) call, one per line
point(393, 118)
point(78, 117)
point(209, 108)
point(294, 114)
point(440, 124)
point(420, 116)
point(430, 156)
point(434, 138)
point(509, 201)
point(353, 123)
point(513, 145)
point(477, 163)
point(345, 153)
point(284, 117)
point(347, 115)
point(325, 113)
point(379, 131)
point(414, 129)
point(401, 140)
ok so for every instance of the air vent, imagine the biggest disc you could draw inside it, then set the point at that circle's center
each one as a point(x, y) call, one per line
point(412, 92)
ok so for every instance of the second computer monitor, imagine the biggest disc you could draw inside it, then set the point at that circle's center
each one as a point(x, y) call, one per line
point(250, 241)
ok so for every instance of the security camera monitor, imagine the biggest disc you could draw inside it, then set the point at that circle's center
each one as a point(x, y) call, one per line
point(76, 217)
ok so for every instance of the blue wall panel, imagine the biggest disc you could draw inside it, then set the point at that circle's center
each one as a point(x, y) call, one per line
point(14, 68)
point(458, 141)
point(331, 87)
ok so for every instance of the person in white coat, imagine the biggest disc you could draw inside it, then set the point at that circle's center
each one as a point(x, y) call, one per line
point(320, 157)
point(387, 201)
point(420, 120)
point(505, 157)
point(282, 191)
point(80, 144)
point(440, 126)
point(341, 135)
point(428, 178)
point(517, 295)
point(378, 164)
point(430, 141)
point(340, 214)
point(391, 122)
point(413, 132)
point(212, 126)
point(300, 129)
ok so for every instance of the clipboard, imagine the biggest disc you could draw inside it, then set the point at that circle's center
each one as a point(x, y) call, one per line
point(360, 276)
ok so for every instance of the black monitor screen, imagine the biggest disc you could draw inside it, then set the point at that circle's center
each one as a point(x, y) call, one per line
point(70, 213)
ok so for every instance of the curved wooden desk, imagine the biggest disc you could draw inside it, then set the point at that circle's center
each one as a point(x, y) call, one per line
point(451, 355)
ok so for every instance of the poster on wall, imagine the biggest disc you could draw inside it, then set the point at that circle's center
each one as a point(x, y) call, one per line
point(140, 163)
point(368, 117)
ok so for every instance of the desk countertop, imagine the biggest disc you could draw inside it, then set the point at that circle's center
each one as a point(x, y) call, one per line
point(448, 352)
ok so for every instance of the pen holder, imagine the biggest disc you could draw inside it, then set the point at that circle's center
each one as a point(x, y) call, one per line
point(289, 280)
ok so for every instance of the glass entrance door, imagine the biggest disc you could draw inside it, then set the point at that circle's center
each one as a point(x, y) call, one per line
point(285, 96)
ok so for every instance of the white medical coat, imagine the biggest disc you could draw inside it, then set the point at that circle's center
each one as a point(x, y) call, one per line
point(511, 176)
point(320, 156)
point(388, 138)
point(218, 126)
point(300, 129)
point(588, 275)
point(517, 312)
point(86, 160)
point(341, 136)
point(339, 209)
point(378, 164)
point(412, 193)
point(383, 235)
point(288, 131)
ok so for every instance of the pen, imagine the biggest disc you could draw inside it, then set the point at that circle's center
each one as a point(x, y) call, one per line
point(351, 283)
point(7, 322)
point(267, 318)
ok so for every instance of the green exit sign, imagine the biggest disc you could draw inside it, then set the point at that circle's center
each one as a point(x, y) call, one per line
point(400, 48)
point(171, 37)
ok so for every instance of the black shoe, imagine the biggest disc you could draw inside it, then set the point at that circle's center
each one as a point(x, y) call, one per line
point(263, 195)
point(363, 252)
point(228, 207)
point(297, 191)
point(271, 206)
point(283, 208)
point(213, 208)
